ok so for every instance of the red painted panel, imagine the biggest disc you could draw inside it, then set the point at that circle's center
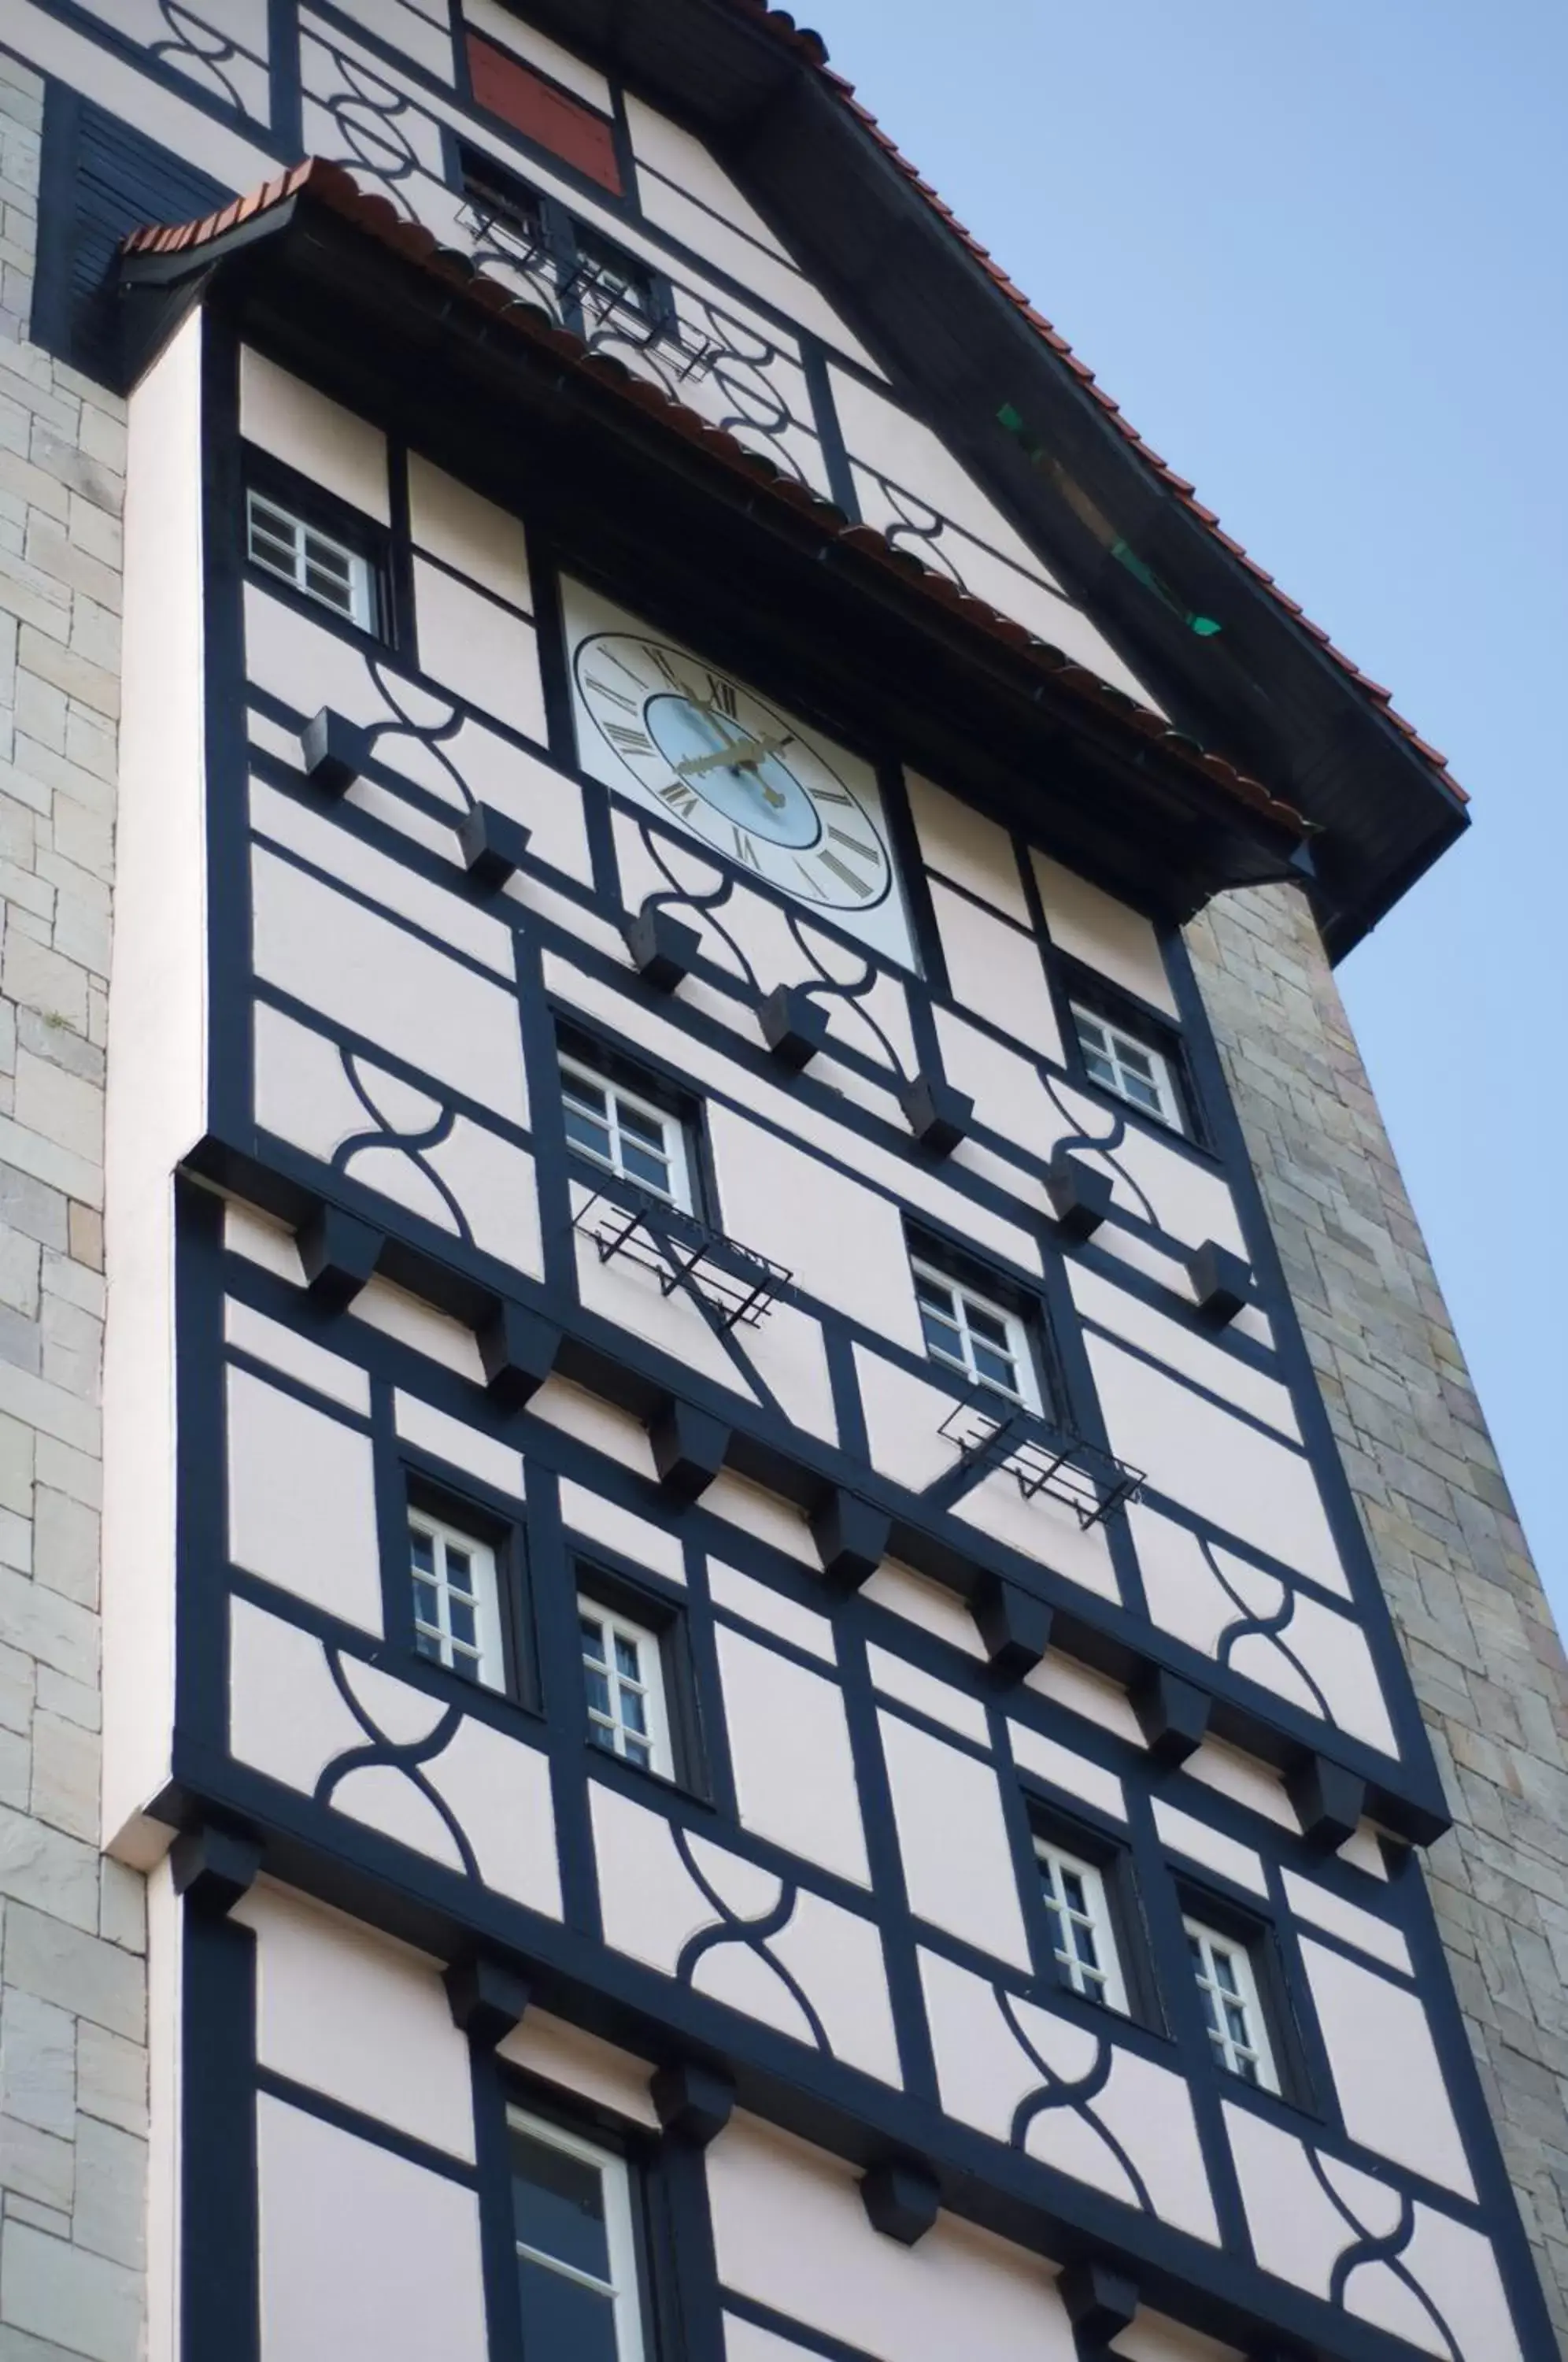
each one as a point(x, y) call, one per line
point(506, 87)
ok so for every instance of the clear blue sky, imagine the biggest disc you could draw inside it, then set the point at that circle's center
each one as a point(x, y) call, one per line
point(1317, 250)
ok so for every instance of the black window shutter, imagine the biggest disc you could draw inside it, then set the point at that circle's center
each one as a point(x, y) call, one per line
point(101, 178)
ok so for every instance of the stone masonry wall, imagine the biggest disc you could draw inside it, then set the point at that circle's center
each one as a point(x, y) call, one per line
point(72, 1981)
point(1488, 1666)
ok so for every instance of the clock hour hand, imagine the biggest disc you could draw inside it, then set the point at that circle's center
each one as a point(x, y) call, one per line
point(740, 754)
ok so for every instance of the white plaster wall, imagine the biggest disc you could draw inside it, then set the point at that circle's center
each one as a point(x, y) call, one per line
point(157, 1070)
point(843, 1243)
point(297, 1356)
point(483, 652)
point(922, 1602)
point(1094, 927)
point(389, 2267)
point(586, 1512)
point(953, 1840)
point(1076, 1775)
point(308, 431)
point(314, 832)
point(1386, 2067)
point(315, 1536)
point(461, 1445)
point(1184, 1834)
point(759, 1604)
point(996, 970)
point(1200, 1358)
point(789, 1746)
point(1043, 1527)
point(581, 2064)
point(789, 2232)
point(1192, 1449)
point(366, 972)
point(395, 1313)
point(460, 526)
point(680, 157)
point(964, 845)
point(1322, 1907)
point(360, 2018)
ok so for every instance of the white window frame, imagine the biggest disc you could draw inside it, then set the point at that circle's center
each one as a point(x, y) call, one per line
point(302, 538)
point(671, 1126)
point(651, 1658)
point(1117, 1040)
point(623, 2286)
point(490, 1664)
point(1211, 1944)
point(1111, 1993)
point(1017, 1342)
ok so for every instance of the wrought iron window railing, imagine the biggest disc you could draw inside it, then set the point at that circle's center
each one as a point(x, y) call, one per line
point(735, 1283)
point(1090, 1481)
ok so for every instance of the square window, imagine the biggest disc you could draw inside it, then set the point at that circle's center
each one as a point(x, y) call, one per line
point(1133, 1069)
point(503, 200)
point(623, 1681)
point(1083, 1941)
point(456, 1600)
point(572, 2233)
point(983, 1340)
point(1233, 2006)
point(281, 543)
point(627, 1134)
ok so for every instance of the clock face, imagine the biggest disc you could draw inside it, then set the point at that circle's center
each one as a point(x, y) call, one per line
point(750, 781)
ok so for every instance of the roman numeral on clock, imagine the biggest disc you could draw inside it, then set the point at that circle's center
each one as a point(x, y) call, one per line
point(616, 696)
point(629, 741)
point(844, 874)
point(722, 695)
point(678, 796)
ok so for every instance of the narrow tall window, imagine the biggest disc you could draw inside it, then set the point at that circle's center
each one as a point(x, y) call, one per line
point(1083, 1944)
point(969, 1333)
point(456, 1600)
point(323, 569)
point(1132, 1069)
point(577, 2267)
point(1231, 2010)
point(625, 1133)
point(613, 281)
point(622, 1667)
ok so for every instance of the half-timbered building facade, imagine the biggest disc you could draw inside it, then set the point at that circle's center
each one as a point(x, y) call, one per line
point(737, 1650)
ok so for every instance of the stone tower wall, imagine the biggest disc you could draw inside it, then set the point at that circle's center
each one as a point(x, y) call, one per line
point(72, 1980)
point(1488, 1666)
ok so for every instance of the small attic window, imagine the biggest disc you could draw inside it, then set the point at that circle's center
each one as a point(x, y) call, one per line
point(543, 112)
point(500, 195)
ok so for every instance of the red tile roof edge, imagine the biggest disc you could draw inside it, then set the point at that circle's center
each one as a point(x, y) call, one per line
point(330, 186)
point(812, 46)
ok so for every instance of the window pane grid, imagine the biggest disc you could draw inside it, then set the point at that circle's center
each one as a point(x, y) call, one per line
point(1231, 2015)
point(624, 1680)
point(323, 568)
point(628, 1137)
point(455, 1604)
point(574, 2245)
point(1079, 1920)
point(1127, 1067)
point(982, 1341)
